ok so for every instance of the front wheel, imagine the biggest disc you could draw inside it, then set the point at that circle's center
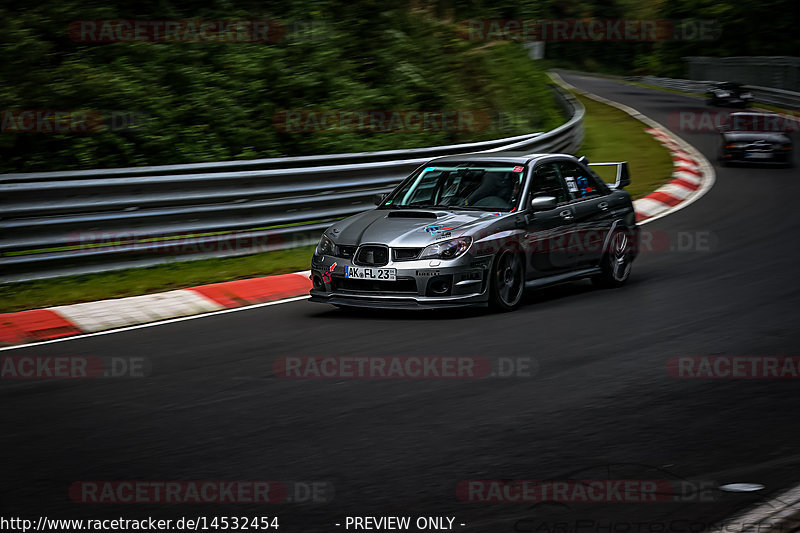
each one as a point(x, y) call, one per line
point(616, 262)
point(507, 281)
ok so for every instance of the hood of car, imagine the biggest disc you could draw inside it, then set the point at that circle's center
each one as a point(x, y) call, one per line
point(752, 136)
point(409, 228)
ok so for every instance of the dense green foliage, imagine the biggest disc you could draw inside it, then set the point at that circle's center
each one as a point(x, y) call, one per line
point(216, 101)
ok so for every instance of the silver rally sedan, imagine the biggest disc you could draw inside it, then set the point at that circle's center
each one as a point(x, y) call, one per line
point(478, 229)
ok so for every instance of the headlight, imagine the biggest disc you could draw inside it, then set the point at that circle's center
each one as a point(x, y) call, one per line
point(447, 249)
point(325, 246)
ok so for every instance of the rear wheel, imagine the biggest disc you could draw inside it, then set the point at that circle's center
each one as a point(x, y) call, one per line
point(507, 281)
point(616, 262)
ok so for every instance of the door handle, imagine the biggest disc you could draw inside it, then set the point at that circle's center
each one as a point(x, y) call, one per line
point(566, 214)
point(603, 206)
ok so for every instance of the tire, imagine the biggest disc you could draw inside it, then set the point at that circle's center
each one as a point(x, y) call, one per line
point(507, 281)
point(616, 262)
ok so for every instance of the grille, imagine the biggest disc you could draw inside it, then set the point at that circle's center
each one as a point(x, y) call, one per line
point(407, 286)
point(406, 254)
point(347, 252)
point(372, 255)
point(759, 146)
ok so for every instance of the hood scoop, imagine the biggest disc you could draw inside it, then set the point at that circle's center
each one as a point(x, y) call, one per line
point(411, 214)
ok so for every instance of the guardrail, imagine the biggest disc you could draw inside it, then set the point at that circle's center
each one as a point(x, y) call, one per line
point(75, 222)
point(763, 95)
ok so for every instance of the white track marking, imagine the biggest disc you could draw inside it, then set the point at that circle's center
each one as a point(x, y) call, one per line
point(110, 314)
point(159, 323)
point(688, 176)
point(678, 191)
point(649, 208)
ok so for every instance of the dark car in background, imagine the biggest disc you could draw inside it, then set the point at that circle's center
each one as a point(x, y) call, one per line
point(729, 94)
point(751, 137)
point(477, 229)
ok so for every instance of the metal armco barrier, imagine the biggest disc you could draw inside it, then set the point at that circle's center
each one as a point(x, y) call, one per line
point(763, 95)
point(75, 222)
point(780, 72)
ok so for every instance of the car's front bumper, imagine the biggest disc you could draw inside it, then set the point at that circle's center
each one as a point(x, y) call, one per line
point(777, 157)
point(391, 302)
point(733, 102)
point(419, 284)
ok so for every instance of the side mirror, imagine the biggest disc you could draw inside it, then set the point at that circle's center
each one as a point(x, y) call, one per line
point(543, 203)
point(378, 199)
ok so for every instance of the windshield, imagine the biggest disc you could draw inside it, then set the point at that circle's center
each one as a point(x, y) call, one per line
point(755, 122)
point(495, 187)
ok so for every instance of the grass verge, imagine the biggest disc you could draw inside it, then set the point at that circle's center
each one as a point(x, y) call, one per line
point(613, 135)
point(178, 275)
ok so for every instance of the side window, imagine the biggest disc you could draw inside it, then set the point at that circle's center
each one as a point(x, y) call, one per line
point(580, 183)
point(546, 182)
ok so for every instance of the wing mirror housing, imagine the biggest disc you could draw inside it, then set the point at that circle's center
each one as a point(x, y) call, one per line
point(378, 199)
point(543, 203)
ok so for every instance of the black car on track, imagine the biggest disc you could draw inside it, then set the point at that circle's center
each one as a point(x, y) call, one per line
point(729, 94)
point(753, 137)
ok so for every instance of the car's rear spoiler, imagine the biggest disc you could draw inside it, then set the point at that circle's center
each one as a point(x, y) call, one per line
point(623, 178)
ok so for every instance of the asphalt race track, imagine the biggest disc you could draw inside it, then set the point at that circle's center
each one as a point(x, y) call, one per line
point(601, 404)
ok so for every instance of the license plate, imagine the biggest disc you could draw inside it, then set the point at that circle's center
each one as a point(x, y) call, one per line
point(758, 155)
point(387, 274)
